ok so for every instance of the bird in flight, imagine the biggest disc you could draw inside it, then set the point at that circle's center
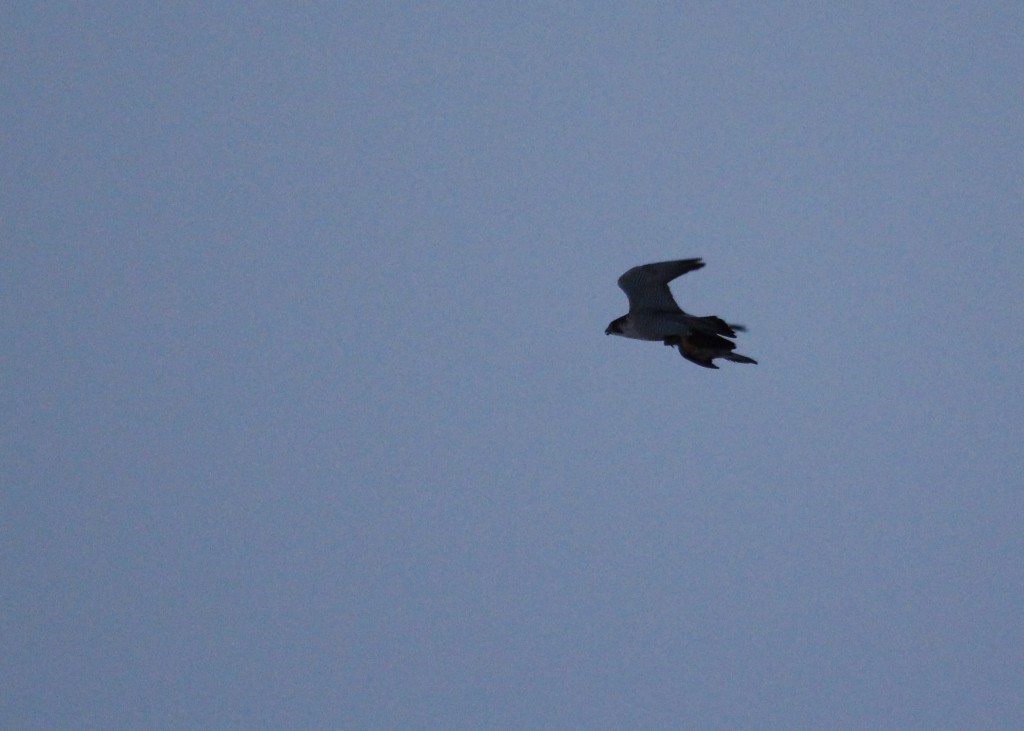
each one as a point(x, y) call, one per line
point(654, 315)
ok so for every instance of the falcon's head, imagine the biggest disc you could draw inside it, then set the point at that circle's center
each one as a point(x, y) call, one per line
point(615, 326)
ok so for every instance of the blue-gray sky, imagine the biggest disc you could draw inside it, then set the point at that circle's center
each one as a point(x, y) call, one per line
point(309, 420)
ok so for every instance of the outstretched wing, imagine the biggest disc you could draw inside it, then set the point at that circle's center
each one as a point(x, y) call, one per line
point(647, 285)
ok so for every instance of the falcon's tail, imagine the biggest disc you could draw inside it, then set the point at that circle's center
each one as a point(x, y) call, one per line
point(712, 325)
point(703, 348)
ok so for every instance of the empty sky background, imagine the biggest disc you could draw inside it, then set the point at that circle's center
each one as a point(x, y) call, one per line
point(309, 420)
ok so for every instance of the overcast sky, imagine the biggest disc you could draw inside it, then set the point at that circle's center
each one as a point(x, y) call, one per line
point(310, 421)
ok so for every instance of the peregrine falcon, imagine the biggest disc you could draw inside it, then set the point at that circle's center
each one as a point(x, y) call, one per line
point(654, 315)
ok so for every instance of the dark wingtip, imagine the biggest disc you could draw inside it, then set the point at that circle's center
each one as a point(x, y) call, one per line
point(737, 358)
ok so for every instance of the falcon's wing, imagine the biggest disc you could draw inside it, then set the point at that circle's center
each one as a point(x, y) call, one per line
point(647, 285)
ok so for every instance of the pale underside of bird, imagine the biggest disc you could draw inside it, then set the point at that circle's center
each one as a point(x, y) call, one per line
point(654, 315)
